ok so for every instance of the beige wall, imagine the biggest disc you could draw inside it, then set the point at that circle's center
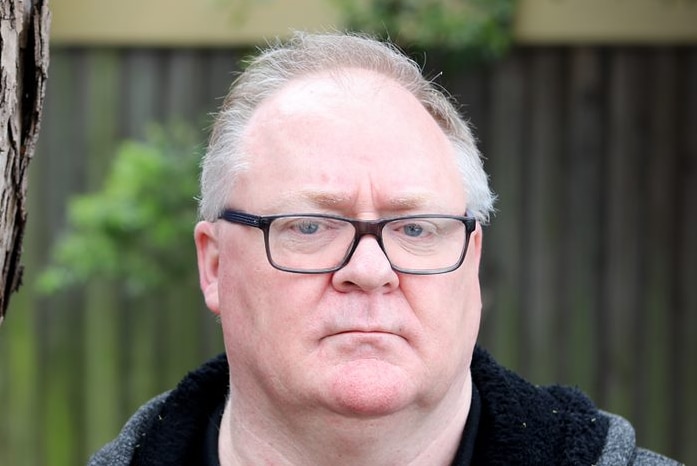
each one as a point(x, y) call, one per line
point(607, 21)
point(226, 22)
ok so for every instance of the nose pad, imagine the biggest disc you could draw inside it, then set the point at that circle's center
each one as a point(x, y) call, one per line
point(368, 269)
point(375, 249)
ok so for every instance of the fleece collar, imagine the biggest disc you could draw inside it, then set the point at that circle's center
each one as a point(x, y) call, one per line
point(520, 423)
point(176, 436)
point(524, 424)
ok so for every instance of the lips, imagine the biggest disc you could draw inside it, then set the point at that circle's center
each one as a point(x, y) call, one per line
point(361, 332)
point(365, 318)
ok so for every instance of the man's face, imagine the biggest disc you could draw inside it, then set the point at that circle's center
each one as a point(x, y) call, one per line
point(363, 341)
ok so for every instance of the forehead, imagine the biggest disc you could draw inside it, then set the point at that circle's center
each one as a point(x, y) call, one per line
point(339, 93)
point(335, 135)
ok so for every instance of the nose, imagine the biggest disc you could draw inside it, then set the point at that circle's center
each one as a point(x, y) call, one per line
point(368, 270)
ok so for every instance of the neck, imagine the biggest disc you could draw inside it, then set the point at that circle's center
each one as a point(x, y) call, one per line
point(412, 438)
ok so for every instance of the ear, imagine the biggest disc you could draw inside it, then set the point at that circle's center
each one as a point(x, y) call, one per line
point(475, 246)
point(208, 253)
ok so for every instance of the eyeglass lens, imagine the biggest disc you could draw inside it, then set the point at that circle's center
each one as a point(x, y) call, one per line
point(307, 243)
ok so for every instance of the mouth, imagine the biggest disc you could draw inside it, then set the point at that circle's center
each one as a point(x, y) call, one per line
point(362, 333)
point(361, 344)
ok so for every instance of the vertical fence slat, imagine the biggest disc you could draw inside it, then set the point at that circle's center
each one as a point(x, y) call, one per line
point(183, 90)
point(658, 221)
point(683, 402)
point(101, 351)
point(142, 99)
point(540, 228)
point(142, 75)
point(582, 211)
point(501, 249)
point(622, 241)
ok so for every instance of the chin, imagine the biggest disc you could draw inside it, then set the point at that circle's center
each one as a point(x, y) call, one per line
point(370, 388)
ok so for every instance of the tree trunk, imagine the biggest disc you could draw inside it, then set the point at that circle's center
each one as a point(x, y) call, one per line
point(24, 28)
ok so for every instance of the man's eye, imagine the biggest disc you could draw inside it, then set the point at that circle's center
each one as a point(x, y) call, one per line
point(307, 227)
point(413, 230)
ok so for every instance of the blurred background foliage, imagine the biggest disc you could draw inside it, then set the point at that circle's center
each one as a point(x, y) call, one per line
point(472, 31)
point(136, 230)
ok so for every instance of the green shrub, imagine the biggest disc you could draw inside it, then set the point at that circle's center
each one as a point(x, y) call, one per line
point(137, 230)
point(478, 30)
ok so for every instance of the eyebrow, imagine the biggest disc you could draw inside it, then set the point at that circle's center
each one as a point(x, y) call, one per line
point(324, 198)
point(409, 201)
point(336, 200)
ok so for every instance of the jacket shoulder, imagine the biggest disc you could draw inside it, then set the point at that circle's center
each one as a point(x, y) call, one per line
point(119, 452)
point(621, 449)
point(649, 458)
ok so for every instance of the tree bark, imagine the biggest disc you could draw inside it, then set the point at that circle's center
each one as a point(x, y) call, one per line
point(24, 26)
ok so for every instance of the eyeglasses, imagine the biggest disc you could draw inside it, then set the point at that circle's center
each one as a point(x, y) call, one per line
point(314, 244)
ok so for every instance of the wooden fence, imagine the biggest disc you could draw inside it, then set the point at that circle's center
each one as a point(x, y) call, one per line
point(589, 271)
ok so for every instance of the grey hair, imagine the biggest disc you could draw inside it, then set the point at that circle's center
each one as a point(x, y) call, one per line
point(306, 54)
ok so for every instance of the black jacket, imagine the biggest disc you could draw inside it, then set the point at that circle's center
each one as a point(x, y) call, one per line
point(519, 424)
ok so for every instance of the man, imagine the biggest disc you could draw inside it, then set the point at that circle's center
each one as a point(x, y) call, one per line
point(342, 203)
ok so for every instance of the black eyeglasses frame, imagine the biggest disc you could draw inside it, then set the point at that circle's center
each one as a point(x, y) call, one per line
point(362, 227)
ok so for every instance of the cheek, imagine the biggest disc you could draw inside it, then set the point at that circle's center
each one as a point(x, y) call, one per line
point(239, 292)
point(260, 304)
point(448, 309)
